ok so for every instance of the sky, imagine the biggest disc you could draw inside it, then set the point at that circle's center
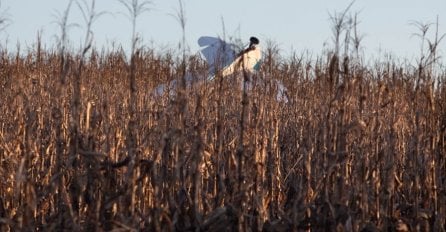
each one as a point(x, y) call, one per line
point(293, 25)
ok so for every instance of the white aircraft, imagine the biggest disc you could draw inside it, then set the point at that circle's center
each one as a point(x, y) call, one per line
point(248, 60)
point(221, 56)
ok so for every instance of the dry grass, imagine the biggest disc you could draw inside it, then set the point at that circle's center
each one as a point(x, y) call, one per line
point(365, 153)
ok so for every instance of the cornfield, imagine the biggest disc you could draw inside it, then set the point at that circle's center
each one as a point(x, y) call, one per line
point(349, 147)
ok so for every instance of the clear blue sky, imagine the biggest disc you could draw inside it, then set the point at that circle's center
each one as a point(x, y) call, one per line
point(293, 24)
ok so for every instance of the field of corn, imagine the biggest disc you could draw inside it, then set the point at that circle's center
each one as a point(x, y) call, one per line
point(87, 144)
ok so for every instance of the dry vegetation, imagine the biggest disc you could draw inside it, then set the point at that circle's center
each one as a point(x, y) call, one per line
point(366, 152)
point(86, 144)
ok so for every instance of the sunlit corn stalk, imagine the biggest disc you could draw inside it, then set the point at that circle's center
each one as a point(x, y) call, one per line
point(57, 113)
point(134, 9)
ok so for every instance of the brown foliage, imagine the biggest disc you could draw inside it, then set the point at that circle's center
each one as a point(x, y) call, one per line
point(366, 153)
